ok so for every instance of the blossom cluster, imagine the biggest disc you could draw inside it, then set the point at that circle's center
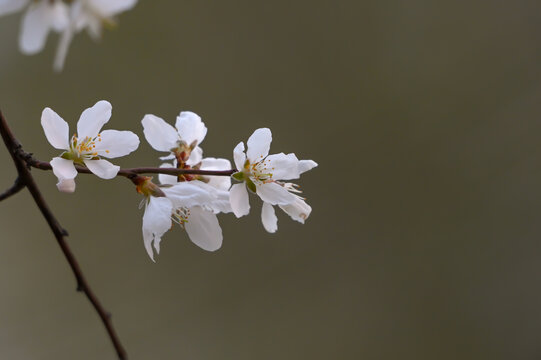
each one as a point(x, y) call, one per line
point(192, 201)
point(67, 17)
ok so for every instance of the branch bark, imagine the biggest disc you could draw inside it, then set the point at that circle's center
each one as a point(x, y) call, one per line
point(25, 179)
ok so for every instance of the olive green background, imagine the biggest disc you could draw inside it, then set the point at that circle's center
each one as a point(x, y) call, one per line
point(425, 236)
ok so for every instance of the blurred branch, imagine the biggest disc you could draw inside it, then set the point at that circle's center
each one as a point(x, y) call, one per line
point(25, 179)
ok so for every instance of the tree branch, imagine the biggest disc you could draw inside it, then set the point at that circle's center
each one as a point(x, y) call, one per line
point(17, 186)
point(26, 180)
point(129, 172)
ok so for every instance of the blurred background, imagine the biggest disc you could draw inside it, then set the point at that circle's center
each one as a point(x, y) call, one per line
point(425, 236)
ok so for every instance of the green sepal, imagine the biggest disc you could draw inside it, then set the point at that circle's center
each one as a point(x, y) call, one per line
point(239, 176)
point(250, 185)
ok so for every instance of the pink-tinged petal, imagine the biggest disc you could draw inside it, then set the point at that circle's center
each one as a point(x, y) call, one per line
point(191, 128)
point(219, 182)
point(114, 143)
point(195, 157)
point(238, 197)
point(274, 194)
point(203, 229)
point(305, 165)
point(102, 168)
point(238, 156)
point(156, 222)
point(259, 145)
point(93, 119)
point(66, 185)
point(108, 8)
point(159, 134)
point(282, 166)
point(56, 129)
point(298, 210)
point(268, 217)
point(11, 6)
point(34, 28)
point(167, 179)
point(63, 169)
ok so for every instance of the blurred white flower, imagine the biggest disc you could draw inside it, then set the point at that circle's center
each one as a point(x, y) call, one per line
point(41, 16)
point(181, 142)
point(263, 175)
point(91, 15)
point(184, 203)
point(87, 146)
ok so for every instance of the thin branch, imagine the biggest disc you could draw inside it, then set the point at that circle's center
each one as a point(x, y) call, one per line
point(129, 172)
point(17, 186)
point(25, 177)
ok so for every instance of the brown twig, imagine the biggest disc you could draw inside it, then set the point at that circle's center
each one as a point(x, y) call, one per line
point(129, 172)
point(25, 179)
point(17, 186)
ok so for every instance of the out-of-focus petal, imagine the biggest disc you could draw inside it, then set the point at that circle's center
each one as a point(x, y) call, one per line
point(34, 28)
point(167, 179)
point(108, 8)
point(219, 182)
point(66, 185)
point(93, 119)
point(259, 145)
point(55, 128)
point(11, 6)
point(195, 157)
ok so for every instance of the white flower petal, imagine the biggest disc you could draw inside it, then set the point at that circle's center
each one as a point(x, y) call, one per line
point(268, 217)
point(34, 28)
point(63, 45)
point(59, 16)
point(274, 194)
point(11, 6)
point(93, 119)
point(159, 134)
point(188, 194)
point(167, 179)
point(195, 156)
point(108, 8)
point(116, 143)
point(238, 197)
point(305, 165)
point(190, 127)
point(238, 156)
point(219, 182)
point(299, 210)
point(63, 169)
point(66, 185)
point(203, 229)
point(156, 222)
point(102, 168)
point(259, 145)
point(221, 204)
point(283, 167)
point(56, 129)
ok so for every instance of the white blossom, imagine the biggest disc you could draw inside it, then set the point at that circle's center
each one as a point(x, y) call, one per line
point(182, 141)
point(264, 175)
point(39, 19)
point(91, 15)
point(87, 146)
point(187, 204)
